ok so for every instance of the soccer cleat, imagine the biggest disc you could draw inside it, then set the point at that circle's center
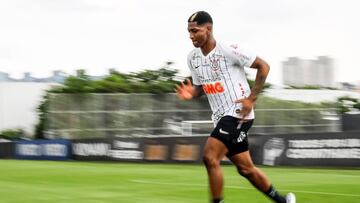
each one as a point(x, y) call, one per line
point(290, 198)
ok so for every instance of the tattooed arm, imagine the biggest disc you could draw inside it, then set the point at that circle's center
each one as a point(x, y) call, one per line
point(261, 74)
point(262, 71)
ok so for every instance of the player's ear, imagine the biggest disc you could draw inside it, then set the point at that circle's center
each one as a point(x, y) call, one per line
point(209, 27)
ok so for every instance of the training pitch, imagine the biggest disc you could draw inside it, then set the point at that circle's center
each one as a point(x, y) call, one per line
point(86, 182)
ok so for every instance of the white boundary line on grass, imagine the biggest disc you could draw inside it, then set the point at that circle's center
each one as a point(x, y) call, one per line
point(312, 173)
point(245, 188)
point(328, 174)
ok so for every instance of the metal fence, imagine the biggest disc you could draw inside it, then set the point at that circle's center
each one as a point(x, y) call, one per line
point(140, 115)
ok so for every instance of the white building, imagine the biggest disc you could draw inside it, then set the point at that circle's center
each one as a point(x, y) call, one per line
point(302, 72)
point(18, 103)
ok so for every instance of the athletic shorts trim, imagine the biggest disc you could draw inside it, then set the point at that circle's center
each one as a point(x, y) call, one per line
point(233, 134)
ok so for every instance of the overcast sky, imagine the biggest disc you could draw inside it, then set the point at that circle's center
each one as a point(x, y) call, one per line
point(40, 36)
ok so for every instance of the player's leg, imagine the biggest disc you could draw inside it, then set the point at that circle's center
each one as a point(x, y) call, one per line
point(246, 168)
point(214, 151)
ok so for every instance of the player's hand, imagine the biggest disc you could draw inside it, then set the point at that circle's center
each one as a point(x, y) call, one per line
point(247, 106)
point(185, 91)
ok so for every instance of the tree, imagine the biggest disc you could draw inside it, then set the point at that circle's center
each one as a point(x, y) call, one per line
point(346, 104)
point(41, 110)
point(12, 134)
point(78, 84)
point(113, 83)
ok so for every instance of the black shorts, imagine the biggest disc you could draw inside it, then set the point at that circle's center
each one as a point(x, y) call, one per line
point(233, 134)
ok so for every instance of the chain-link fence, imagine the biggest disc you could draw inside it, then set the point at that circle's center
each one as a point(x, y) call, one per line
point(136, 115)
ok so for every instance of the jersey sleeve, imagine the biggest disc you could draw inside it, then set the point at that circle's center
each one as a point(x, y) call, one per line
point(195, 77)
point(245, 57)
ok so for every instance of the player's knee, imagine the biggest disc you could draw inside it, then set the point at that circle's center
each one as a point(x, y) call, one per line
point(247, 172)
point(210, 161)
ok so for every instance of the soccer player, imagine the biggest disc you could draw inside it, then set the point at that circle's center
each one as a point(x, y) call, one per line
point(218, 71)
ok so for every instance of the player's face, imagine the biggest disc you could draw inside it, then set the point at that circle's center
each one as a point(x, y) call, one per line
point(199, 34)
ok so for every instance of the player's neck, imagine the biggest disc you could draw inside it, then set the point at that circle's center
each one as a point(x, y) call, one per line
point(208, 47)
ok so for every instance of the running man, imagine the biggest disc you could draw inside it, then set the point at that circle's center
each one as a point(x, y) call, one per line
point(218, 71)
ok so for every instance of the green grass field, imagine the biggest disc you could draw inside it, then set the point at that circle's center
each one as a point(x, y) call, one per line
point(86, 182)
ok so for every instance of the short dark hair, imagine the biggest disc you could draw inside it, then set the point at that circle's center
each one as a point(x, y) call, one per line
point(200, 17)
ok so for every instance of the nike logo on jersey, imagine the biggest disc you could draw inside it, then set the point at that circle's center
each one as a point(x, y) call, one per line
point(223, 131)
point(241, 137)
point(196, 67)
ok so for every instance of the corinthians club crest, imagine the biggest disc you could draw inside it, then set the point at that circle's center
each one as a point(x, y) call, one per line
point(215, 63)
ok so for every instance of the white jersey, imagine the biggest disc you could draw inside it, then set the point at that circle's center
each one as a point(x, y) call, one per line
point(222, 76)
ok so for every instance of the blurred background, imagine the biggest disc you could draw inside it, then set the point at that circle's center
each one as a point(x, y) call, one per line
point(52, 48)
point(94, 80)
point(89, 69)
